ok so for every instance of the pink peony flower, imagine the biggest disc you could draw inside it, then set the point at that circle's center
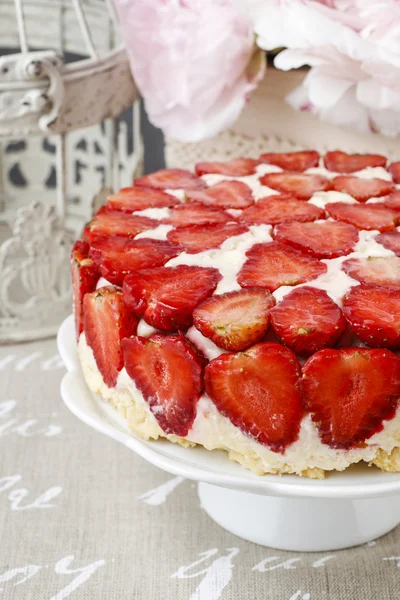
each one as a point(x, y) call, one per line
point(353, 49)
point(193, 61)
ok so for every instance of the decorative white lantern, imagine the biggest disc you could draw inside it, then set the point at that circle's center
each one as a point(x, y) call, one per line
point(64, 146)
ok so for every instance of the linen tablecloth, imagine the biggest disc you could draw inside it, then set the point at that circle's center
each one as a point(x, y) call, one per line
point(83, 517)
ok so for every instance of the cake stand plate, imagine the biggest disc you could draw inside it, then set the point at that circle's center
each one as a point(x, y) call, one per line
point(285, 512)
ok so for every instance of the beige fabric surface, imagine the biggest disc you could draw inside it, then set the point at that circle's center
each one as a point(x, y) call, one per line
point(82, 517)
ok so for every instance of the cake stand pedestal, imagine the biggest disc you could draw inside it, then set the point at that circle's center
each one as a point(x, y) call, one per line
point(288, 512)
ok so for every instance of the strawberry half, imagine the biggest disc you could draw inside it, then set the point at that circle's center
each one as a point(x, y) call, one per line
point(374, 315)
point(391, 241)
point(280, 208)
point(85, 275)
point(328, 239)
point(271, 265)
point(131, 199)
point(392, 201)
point(307, 320)
point(237, 167)
point(107, 223)
point(117, 257)
point(226, 194)
point(341, 162)
point(235, 320)
point(300, 185)
point(171, 179)
point(167, 296)
point(107, 320)
point(195, 213)
point(197, 238)
point(394, 170)
point(364, 216)
point(362, 189)
point(375, 269)
point(169, 373)
point(258, 391)
point(292, 161)
point(350, 392)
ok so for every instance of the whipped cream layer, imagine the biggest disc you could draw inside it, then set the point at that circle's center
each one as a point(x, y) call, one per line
point(307, 456)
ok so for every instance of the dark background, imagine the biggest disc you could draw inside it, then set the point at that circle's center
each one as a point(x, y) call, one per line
point(153, 145)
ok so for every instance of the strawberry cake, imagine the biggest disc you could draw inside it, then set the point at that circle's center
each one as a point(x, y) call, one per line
point(251, 306)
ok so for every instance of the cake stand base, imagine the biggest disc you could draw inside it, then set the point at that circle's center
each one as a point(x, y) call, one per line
point(300, 524)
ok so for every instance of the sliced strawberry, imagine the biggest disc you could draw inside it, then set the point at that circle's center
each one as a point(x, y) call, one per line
point(169, 373)
point(197, 238)
point(373, 313)
point(362, 189)
point(131, 199)
point(235, 320)
point(300, 185)
point(292, 161)
point(350, 392)
point(392, 201)
point(107, 223)
point(308, 320)
point(117, 257)
point(226, 194)
point(341, 162)
point(166, 297)
point(280, 208)
point(328, 239)
point(391, 241)
point(171, 179)
point(258, 391)
point(271, 265)
point(394, 170)
point(364, 216)
point(237, 167)
point(195, 213)
point(379, 270)
point(107, 320)
point(84, 275)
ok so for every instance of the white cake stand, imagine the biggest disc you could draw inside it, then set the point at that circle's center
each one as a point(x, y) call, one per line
point(285, 512)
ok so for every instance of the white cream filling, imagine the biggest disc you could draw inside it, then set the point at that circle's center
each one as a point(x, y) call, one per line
point(212, 430)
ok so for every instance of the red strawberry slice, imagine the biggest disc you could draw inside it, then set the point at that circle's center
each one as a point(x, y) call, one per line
point(393, 201)
point(292, 161)
point(107, 320)
point(394, 170)
point(197, 238)
point(195, 213)
point(379, 270)
point(84, 275)
point(166, 297)
point(169, 373)
point(280, 209)
point(117, 257)
point(235, 320)
point(328, 239)
point(226, 194)
point(237, 167)
point(364, 216)
point(391, 241)
point(362, 189)
point(271, 265)
point(308, 320)
point(300, 185)
point(171, 179)
point(350, 392)
point(258, 391)
point(131, 199)
point(374, 315)
point(341, 162)
point(108, 223)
